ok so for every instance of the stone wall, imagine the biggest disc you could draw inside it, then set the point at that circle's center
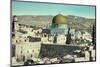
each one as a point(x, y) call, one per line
point(52, 51)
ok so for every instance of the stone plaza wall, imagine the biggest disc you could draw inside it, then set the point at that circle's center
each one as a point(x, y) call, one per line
point(52, 51)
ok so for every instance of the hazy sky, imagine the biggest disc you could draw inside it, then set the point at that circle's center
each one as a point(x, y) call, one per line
point(33, 8)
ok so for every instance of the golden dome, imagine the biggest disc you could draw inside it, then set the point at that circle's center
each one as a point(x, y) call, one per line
point(59, 19)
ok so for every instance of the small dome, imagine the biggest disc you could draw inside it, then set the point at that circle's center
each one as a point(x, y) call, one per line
point(59, 19)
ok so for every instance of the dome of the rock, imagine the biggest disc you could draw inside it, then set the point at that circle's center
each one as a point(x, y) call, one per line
point(59, 19)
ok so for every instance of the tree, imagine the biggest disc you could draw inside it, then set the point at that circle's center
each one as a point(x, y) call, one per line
point(94, 35)
point(68, 37)
point(55, 39)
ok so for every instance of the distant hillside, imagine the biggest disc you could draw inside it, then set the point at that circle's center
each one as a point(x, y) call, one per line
point(80, 22)
point(72, 21)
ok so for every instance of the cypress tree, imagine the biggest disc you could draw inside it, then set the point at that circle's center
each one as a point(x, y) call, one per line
point(94, 35)
point(55, 39)
point(68, 37)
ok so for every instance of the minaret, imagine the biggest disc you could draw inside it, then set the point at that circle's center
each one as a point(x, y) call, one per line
point(15, 24)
